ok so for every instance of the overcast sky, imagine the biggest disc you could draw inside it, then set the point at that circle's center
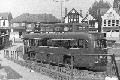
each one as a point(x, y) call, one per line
point(17, 7)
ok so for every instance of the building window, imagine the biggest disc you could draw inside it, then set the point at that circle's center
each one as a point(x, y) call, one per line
point(104, 22)
point(109, 22)
point(117, 22)
point(23, 24)
point(116, 30)
point(57, 29)
point(113, 22)
point(29, 25)
point(73, 18)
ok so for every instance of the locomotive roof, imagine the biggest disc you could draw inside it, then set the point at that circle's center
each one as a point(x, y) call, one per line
point(71, 35)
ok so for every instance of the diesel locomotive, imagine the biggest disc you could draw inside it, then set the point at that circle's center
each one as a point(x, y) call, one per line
point(58, 48)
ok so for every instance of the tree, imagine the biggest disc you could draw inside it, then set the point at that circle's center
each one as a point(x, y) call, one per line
point(96, 6)
point(116, 3)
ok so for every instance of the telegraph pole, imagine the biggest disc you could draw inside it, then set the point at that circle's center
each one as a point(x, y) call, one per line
point(99, 20)
point(61, 2)
point(61, 6)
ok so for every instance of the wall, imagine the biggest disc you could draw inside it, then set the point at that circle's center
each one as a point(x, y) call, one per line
point(113, 17)
point(17, 24)
point(6, 23)
point(112, 35)
point(110, 15)
point(80, 19)
point(96, 24)
point(66, 19)
point(14, 35)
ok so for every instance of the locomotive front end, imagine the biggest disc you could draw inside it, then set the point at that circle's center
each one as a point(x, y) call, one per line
point(100, 49)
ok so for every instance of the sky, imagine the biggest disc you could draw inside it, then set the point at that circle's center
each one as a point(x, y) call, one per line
point(17, 7)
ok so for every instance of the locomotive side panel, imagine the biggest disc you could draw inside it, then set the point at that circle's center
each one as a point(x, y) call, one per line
point(59, 48)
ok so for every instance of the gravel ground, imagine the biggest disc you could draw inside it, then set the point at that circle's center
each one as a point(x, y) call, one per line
point(17, 72)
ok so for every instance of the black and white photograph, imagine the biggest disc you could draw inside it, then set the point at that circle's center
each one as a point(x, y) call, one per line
point(59, 39)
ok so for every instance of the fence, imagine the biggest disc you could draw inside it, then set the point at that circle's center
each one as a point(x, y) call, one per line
point(11, 54)
point(67, 72)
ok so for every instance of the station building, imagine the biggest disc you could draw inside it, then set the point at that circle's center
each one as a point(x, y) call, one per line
point(111, 23)
point(29, 22)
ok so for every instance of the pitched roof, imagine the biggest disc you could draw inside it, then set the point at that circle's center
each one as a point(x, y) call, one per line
point(26, 17)
point(104, 11)
point(6, 16)
point(88, 17)
point(73, 10)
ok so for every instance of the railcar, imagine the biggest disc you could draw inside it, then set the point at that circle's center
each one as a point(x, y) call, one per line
point(59, 47)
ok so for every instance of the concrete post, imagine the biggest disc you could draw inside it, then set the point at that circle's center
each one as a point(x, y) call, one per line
point(4, 53)
point(72, 75)
point(17, 55)
point(8, 54)
point(119, 32)
point(11, 55)
point(23, 49)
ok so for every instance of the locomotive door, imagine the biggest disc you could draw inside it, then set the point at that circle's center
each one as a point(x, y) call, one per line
point(78, 46)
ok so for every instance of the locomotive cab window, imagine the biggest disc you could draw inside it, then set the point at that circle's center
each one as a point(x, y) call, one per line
point(65, 43)
point(43, 42)
point(100, 43)
point(74, 44)
point(82, 43)
point(68, 43)
point(54, 43)
point(39, 42)
point(32, 42)
point(58, 42)
point(26, 42)
point(77, 43)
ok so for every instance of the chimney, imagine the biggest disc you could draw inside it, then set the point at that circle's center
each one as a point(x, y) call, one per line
point(81, 12)
point(65, 11)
